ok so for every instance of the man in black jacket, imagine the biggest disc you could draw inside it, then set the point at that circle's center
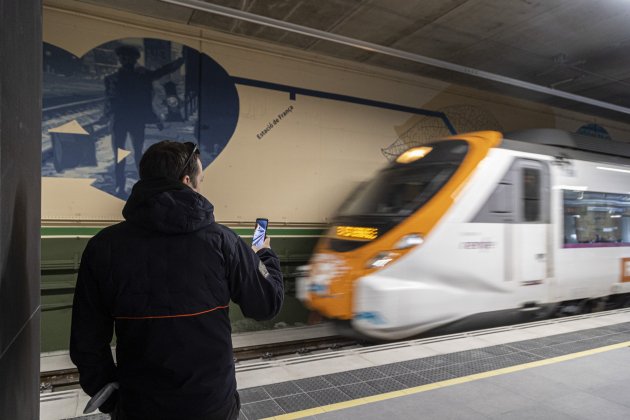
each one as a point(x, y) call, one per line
point(163, 279)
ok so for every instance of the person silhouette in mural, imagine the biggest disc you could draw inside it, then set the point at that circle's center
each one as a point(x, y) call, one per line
point(128, 104)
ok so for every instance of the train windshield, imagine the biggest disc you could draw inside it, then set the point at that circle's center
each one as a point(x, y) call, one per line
point(402, 188)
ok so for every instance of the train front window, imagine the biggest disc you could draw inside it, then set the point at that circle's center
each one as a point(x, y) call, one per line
point(402, 188)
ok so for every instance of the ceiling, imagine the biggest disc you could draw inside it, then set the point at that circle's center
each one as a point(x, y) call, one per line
point(581, 47)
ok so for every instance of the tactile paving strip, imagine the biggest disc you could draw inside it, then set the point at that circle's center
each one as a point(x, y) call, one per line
point(291, 396)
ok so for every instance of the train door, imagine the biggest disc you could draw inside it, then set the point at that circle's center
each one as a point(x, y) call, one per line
point(531, 231)
point(521, 205)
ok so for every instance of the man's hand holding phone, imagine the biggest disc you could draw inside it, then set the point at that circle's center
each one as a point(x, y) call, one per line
point(265, 244)
point(260, 239)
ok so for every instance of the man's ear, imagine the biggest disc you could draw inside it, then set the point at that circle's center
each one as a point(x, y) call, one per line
point(186, 180)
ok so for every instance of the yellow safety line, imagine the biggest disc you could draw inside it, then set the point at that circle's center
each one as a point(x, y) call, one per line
point(443, 384)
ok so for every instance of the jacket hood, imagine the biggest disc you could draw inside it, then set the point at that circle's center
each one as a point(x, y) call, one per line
point(167, 206)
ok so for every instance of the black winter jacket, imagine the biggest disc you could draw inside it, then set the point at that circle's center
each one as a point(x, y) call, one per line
point(164, 278)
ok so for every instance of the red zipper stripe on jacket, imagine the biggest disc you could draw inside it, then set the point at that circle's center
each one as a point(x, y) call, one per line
point(171, 316)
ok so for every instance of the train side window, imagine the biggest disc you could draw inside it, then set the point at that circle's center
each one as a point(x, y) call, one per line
point(595, 219)
point(499, 208)
point(521, 196)
point(501, 200)
point(531, 195)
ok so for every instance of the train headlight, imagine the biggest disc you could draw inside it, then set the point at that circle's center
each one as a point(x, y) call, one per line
point(381, 259)
point(409, 241)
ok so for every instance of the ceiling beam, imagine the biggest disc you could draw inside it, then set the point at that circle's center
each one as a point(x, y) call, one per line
point(392, 52)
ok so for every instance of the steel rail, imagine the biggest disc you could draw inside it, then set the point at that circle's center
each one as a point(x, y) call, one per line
point(69, 378)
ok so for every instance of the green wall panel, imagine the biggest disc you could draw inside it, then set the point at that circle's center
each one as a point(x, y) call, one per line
point(61, 254)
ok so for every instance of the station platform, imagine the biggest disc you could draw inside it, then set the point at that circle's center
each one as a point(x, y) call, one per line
point(69, 403)
point(567, 368)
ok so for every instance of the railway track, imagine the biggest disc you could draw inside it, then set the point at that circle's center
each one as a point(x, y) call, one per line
point(76, 107)
point(85, 111)
point(58, 380)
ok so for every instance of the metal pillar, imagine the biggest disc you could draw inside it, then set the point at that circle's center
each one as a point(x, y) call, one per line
point(20, 200)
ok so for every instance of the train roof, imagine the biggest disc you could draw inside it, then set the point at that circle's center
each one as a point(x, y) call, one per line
point(565, 140)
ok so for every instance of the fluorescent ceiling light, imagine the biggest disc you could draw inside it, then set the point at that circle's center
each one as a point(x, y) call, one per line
point(604, 168)
point(571, 187)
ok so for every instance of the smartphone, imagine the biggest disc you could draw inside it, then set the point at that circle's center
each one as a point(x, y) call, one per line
point(260, 232)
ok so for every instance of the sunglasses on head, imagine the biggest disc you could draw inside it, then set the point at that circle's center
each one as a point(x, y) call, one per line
point(195, 150)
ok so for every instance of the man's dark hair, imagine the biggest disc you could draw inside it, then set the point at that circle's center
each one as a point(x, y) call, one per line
point(166, 159)
point(127, 51)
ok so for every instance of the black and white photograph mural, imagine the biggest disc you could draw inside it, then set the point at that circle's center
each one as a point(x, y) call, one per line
point(102, 110)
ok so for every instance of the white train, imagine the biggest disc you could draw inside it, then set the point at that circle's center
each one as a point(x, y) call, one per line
point(478, 224)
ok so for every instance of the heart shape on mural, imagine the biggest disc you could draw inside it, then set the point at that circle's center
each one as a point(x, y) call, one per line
point(100, 112)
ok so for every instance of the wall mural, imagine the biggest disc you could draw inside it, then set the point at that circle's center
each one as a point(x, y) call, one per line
point(102, 110)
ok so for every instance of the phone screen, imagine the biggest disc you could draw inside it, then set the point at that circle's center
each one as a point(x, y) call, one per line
point(260, 232)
